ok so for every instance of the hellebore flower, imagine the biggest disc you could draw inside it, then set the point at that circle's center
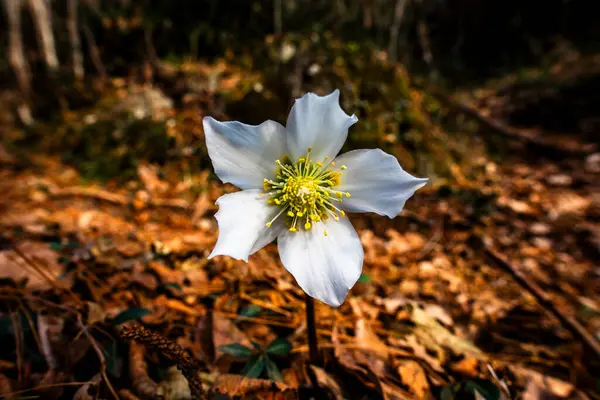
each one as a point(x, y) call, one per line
point(297, 189)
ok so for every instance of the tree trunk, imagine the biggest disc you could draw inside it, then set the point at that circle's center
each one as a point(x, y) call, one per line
point(395, 28)
point(16, 58)
point(40, 11)
point(277, 16)
point(74, 39)
point(16, 53)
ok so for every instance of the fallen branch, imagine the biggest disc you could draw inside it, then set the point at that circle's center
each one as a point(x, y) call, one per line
point(564, 146)
point(542, 298)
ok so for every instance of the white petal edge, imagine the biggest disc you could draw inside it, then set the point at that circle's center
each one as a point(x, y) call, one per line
point(244, 155)
point(325, 267)
point(376, 182)
point(242, 219)
point(318, 122)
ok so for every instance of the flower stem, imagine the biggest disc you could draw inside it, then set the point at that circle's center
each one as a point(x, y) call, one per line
point(313, 349)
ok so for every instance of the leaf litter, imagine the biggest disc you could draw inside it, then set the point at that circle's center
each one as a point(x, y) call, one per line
point(431, 317)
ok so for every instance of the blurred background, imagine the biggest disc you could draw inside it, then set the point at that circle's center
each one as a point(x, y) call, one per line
point(108, 191)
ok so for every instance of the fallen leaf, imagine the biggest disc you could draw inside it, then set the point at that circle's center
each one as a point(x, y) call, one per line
point(174, 386)
point(89, 391)
point(237, 385)
point(468, 367)
point(432, 333)
point(325, 380)
point(413, 376)
point(15, 267)
point(150, 179)
point(539, 386)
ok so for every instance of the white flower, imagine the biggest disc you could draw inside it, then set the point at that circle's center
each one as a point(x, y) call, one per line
point(295, 189)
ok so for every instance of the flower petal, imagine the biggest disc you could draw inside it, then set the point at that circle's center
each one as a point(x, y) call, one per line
point(242, 219)
point(244, 154)
point(325, 267)
point(376, 182)
point(317, 122)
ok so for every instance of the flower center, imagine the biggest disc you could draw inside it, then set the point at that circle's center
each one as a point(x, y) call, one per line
point(304, 190)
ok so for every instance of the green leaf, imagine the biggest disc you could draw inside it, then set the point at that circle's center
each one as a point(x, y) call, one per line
point(250, 311)
point(279, 347)
point(236, 350)
point(485, 388)
point(254, 367)
point(364, 278)
point(256, 346)
point(130, 314)
point(272, 370)
point(447, 393)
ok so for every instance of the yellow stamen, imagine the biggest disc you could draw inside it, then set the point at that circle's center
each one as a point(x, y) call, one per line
point(304, 190)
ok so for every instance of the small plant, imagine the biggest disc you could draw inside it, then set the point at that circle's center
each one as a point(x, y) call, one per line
point(260, 360)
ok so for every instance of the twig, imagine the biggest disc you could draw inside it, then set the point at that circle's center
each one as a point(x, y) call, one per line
point(11, 394)
point(100, 355)
point(568, 322)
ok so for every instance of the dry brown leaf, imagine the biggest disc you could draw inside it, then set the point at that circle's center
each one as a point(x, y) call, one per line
point(468, 367)
point(201, 206)
point(247, 388)
point(413, 376)
point(148, 176)
point(174, 386)
point(540, 387)
point(98, 221)
point(95, 313)
point(89, 391)
point(5, 386)
point(435, 336)
point(364, 335)
point(325, 380)
point(518, 206)
point(143, 385)
point(15, 267)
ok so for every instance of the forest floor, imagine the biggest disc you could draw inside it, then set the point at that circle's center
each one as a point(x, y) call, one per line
point(438, 311)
